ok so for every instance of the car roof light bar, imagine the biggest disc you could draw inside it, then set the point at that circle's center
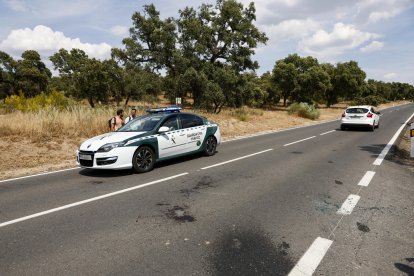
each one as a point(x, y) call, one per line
point(169, 109)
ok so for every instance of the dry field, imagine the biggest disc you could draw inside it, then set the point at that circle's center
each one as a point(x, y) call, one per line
point(45, 141)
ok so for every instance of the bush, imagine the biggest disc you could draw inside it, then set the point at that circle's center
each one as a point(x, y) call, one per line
point(304, 110)
point(54, 100)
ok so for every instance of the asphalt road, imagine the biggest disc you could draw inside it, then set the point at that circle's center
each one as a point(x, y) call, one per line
point(264, 205)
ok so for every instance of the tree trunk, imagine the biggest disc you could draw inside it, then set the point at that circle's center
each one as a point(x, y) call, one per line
point(91, 103)
point(284, 101)
point(127, 100)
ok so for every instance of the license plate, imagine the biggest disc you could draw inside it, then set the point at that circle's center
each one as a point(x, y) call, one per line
point(85, 156)
point(355, 117)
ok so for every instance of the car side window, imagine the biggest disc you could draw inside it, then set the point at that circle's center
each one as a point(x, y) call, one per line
point(188, 120)
point(171, 123)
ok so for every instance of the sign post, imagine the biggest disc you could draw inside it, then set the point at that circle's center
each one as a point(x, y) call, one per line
point(412, 139)
point(178, 101)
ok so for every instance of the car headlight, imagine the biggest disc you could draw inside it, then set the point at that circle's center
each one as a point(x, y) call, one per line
point(108, 147)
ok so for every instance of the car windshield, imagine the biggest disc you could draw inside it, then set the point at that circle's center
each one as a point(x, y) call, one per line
point(143, 123)
point(357, 110)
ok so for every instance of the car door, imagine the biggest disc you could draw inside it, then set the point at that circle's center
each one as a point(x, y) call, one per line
point(195, 131)
point(172, 142)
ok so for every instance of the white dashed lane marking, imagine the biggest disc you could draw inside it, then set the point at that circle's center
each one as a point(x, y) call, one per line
point(299, 141)
point(88, 200)
point(348, 205)
point(236, 159)
point(312, 257)
point(327, 132)
point(366, 179)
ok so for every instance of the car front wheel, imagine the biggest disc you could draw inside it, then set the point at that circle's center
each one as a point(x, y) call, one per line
point(143, 160)
point(211, 145)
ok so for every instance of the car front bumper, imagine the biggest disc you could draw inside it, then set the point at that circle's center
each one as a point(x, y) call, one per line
point(116, 159)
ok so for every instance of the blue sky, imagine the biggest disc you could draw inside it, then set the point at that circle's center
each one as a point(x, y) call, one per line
point(378, 34)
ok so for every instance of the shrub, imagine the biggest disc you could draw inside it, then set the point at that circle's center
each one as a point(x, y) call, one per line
point(241, 114)
point(304, 110)
point(54, 100)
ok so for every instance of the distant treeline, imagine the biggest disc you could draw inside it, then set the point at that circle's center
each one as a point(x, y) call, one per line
point(205, 55)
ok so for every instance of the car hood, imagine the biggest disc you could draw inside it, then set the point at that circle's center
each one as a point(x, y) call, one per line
point(96, 142)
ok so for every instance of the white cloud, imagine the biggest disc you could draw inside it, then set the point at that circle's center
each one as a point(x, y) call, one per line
point(372, 47)
point(374, 11)
point(46, 41)
point(16, 5)
point(343, 37)
point(290, 29)
point(390, 76)
point(119, 30)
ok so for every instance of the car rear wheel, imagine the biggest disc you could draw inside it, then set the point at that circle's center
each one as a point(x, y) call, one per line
point(342, 127)
point(143, 160)
point(211, 145)
point(377, 126)
point(371, 128)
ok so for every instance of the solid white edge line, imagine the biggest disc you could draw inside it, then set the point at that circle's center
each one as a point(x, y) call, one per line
point(236, 159)
point(310, 261)
point(299, 141)
point(386, 149)
point(366, 179)
point(348, 205)
point(327, 132)
point(88, 200)
point(39, 174)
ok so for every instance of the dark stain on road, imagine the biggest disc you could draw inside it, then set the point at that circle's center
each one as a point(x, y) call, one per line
point(163, 204)
point(338, 182)
point(249, 253)
point(204, 182)
point(96, 182)
point(179, 214)
point(330, 162)
point(297, 152)
point(362, 227)
point(186, 192)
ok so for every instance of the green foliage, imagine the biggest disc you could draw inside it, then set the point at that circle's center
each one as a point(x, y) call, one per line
point(54, 100)
point(304, 110)
point(31, 75)
point(374, 100)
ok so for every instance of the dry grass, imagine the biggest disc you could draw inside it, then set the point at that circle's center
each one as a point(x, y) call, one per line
point(47, 140)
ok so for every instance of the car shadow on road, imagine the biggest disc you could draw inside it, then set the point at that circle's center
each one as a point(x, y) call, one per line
point(105, 173)
point(409, 270)
point(375, 150)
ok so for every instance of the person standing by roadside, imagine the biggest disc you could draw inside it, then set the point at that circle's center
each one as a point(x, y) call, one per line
point(132, 116)
point(118, 120)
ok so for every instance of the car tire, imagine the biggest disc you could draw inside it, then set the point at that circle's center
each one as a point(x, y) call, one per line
point(377, 126)
point(371, 128)
point(342, 127)
point(143, 160)
point(210, 147)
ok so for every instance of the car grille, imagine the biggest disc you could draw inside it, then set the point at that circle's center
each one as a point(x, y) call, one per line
point(86, 163)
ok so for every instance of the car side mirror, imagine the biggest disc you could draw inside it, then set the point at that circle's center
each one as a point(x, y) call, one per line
point(163, 129)
point(378, 113)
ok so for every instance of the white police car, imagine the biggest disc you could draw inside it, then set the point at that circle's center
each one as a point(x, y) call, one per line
point(163, 134)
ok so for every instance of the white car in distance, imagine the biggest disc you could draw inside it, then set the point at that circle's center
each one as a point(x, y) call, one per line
point(360, 116)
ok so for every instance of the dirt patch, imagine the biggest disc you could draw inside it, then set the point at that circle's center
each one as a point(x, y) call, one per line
point(401, 152)
point(362, 227)
point(21, 156)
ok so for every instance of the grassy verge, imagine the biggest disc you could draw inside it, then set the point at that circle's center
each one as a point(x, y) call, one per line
point(40, 141)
